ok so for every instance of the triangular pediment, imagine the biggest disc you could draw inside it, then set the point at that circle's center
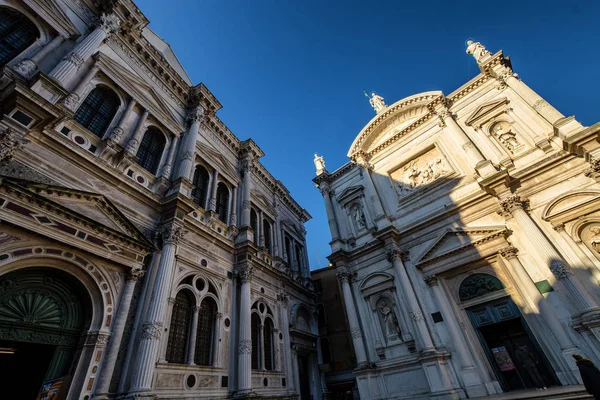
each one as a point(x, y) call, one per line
point(91, 209)
point(349, 193)
point(217, 159)
point(487, 110)
point(457, 239)
point(51, 12)
point(140, 90)
point(262, 201)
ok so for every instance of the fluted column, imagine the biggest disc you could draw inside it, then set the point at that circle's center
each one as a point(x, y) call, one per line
point(245, 338)
point(357, 340)
point(395, 255)
point(152, 329)
point(72, 100)
point(285, 327)
point(28, 66)
point(109, 23)
point(117, 133)
point(246, 185)
point(188, 151)
point(134, 143)
point(331, 217)
point(166, 169)
point(193, 335)
point(514, 206)
point(233, 216)
point(213, 191)
point(112, 349)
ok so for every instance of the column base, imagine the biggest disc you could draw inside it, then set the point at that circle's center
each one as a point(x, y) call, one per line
point(472, 381)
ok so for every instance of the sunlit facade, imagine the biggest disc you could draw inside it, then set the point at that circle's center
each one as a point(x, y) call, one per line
point(145, 252)
point(465, 237)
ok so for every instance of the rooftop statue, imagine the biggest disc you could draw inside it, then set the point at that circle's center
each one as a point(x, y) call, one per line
point(319, 164)
point(477, 50)
point(377, 102)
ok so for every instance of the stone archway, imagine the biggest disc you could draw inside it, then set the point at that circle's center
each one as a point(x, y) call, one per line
point(44, 313)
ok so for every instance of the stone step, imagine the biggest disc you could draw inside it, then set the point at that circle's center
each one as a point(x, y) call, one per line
point(573, 392)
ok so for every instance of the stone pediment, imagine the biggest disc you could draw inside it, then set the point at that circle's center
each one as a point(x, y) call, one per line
point(262, 201)
point(87, 219)
point(456, 240)
point(51, 12)
point(487, 111)
point(350, 193)
point(216, 159)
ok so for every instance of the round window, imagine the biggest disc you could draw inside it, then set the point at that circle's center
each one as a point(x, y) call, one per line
point(191, 381)
point(227, 323)
point(200, 284)
point(265, 382)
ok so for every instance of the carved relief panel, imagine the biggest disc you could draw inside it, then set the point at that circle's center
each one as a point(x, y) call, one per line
point(420, 171)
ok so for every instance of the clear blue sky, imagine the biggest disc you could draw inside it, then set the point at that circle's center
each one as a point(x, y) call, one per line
point(291, 73)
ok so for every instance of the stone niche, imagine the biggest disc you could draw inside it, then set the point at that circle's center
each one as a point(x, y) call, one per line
point(420, 171)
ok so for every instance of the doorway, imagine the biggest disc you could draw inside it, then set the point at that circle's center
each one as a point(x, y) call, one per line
point(43, 314)
point(512, 351)
point(303, 373)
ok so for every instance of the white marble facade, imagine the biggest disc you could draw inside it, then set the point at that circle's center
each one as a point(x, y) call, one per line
point(464, 227)
point(172, 263)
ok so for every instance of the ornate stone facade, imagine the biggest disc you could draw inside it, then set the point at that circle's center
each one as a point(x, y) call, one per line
point(142, 275)
point(503, 229)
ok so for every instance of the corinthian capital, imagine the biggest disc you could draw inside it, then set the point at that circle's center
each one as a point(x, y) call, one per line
point(172, 234)
point(196, 115)
point(109, 23)
point(134, 275)
point(343, 274)
point(512, 203)
point(245, 274)
point(10, 143)
point(509, 252)
point(560, 269)
point(395, 253)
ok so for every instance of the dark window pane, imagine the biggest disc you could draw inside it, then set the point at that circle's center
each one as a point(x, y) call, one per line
point(268, 340)
point(267, 235)
point(97, 110)
point(205, 332)
point(180, 328)
point(200, 181)
point(222, 202)
point(254, 224)
point(255, 341)
point(150, 150)
point(17, 33)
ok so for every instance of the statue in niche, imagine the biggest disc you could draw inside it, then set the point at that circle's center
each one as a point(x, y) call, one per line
point(390, 322)
point(595, 240)
point(359, 216)
point(505, 135)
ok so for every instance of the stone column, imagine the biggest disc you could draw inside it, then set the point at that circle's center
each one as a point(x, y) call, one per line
point(245, 339)
point(246, 185)
point(28, 66)
point(233, 216)
point(72, 100)
point(193, 334)
point(370, 189)
point(277, 236)
point(117, 133)
point(285, 328)
point(166, 169)
point(545, 310)
point(422, 333)
point(134, 143)
point(470, 376)
point(68, 67)
point(112, 349)
point(331, 217)
point(152, 329)
point(213, 192)
point(359, 348)
point(188, 150)
point(514, 206)
point(483, 166)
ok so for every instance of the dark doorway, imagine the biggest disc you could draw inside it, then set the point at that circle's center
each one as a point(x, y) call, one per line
point(511, 349)
point(23, 368)
point(304, 377)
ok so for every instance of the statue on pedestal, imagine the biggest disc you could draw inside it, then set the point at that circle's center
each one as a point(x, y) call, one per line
point(377, 103)
point(477, 50)
point(319, 164)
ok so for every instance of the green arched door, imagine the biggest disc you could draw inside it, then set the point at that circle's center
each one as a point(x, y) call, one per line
point(43, 313)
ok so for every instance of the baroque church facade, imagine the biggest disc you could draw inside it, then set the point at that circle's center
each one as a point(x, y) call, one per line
point(465, 236)
point(144, 249)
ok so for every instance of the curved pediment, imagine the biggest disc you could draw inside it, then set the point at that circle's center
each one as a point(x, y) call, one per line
point(393, 120)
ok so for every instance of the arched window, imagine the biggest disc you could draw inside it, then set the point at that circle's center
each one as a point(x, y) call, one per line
point(17, 33)
point(205, 333)
point(288, 249)
point(180, 327)
point(478, 285)
point(321, 315)
point(299, 262)
point(254, 224)
point(268, 343)
point(222, 201)
point(255, 334)
point(267, 235)
point(325, 351)
point(97, 110)
point(151, 149)
point(200, 181)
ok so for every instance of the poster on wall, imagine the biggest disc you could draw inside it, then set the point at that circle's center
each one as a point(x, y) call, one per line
point(50, 389)
point(503, 359)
